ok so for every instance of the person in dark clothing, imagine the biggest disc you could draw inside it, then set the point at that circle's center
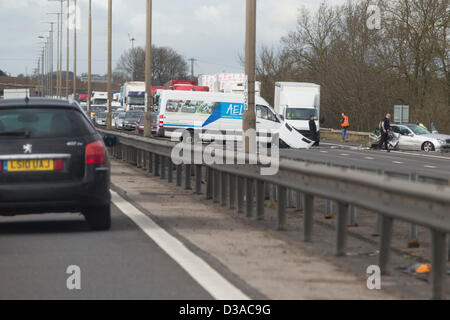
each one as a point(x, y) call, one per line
point(313, 130)
point(385, 128)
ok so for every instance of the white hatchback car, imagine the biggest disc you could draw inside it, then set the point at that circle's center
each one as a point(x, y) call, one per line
point(414, 137)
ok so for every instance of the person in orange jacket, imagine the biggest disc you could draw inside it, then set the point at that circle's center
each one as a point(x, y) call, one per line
point(345, 124)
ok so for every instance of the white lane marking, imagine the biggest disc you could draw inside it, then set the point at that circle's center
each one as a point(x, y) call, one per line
point(334, 146)
point(345, 154)
point(397, 162)
point(430, 167)
point(324, 151)
point(369, 158)
point(198, 269)
point(421, 155)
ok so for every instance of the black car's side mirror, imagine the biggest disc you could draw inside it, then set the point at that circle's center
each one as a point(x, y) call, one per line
point(322, 120)
point(111, 140)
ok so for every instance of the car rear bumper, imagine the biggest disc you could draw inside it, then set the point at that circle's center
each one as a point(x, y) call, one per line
point(129, 127)
point(51, 197)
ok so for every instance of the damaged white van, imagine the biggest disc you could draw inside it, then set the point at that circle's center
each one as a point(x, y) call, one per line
point(219, 116)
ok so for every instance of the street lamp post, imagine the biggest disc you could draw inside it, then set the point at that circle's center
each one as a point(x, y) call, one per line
point(109, 115)
point(249, 118)
point(148, 73)
point(89, 60)
point(51, 60)
point(60, 50)
point(75, 50)
point(58, 56)
point(42, 69)
point(67, 50)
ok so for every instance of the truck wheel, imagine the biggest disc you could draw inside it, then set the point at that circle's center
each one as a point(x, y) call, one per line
point(98, 218)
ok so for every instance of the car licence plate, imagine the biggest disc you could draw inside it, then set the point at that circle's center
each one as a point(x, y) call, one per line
point(28, 165)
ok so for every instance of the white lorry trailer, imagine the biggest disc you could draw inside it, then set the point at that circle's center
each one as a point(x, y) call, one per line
point(16, 93)
point(133, 95)
point(227, 83)
point(295, 102)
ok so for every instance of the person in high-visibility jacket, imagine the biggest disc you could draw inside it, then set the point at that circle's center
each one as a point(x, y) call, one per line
point(345, 125)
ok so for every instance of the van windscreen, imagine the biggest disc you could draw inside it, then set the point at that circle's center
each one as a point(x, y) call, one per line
point(300, 114)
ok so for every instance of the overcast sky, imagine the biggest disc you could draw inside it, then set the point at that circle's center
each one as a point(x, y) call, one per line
point(212, 31)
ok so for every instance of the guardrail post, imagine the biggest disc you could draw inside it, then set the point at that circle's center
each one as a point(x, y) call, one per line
point(170, 170)
point(309, 216)
point(240, 194)
point(209, 183)
point(385, 243)
point(216, 186)
point(266, 191)
point(281, 208)
point(150, 162)
point(329, 209)
point(139, 160)
point(232, 185)
point(179, 175)
point(125, 154)
point(274, 192)
point(144, 160)
point(223, 189)
point(438, 265)
point(299, 201)
point(198, 179)
point(188, 172)
point(260, 197)
point(341, 229)
point(134, 156)
point(378, 225)
point(156, 165)
point(163, 167)
point(130, 155)
point(289, 198)
point(117, 152)
point(249, 197)
point(413, 231)
point(352, 216)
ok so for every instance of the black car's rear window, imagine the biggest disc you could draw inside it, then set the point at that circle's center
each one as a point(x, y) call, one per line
point(43, 123)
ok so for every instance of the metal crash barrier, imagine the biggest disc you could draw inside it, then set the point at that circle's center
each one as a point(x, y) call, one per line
point(244, 189)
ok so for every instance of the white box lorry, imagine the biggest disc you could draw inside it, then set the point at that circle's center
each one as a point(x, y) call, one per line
point(133, 95)
point(16, 93)
point(295, 102)
point(227, 83)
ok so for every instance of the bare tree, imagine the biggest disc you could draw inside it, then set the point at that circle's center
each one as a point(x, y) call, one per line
point(167, 64)
point(366, 72)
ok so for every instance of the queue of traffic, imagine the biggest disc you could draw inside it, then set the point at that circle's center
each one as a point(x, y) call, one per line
point(215, 106)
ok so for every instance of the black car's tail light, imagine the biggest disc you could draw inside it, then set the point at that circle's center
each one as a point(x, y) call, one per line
point(95, 153)
point(59, 165)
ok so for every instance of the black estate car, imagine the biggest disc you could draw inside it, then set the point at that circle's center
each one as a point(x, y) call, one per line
point(52, 160)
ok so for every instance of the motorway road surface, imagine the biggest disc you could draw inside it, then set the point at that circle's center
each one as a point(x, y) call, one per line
point(428, 165)
point(125, 263)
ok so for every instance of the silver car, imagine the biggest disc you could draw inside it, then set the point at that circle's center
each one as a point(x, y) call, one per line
point(118, 123)
point(415, 137)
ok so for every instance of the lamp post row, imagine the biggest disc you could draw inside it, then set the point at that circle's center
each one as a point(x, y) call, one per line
point(249, 118)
